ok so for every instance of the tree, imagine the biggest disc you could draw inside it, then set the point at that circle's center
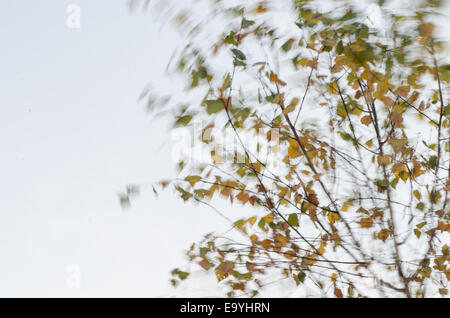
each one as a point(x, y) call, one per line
point(349, 170)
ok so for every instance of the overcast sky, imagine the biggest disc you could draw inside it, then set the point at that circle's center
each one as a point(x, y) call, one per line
point(72, 135)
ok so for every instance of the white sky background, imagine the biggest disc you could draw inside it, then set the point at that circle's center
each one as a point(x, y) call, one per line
point(72, 135)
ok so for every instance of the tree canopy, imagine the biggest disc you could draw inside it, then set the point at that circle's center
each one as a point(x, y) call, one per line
point(341, 143)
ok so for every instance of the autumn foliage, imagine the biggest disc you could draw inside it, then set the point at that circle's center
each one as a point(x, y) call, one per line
point(356, 203)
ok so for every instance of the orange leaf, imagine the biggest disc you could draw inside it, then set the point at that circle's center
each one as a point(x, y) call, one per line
point(338, 293)
point(289, 254)
point(243, 197)
point(366, 120)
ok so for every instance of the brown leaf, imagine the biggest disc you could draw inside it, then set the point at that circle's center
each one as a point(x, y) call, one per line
point(426, 29)
point(366, 120)
point(204, 263)
point(384, 160)
point(338, 293)
point(403, 91)
point(243, 197)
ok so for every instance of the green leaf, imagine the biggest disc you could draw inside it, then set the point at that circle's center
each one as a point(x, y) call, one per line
point(345, 136)
point(444, 73)
point(417, 233)
point(301, 277)
point(339, 48)
point(287, 45)
point(183, 121)
point(237, 62)
point(447, 110)
point(270, 98)
point(239, 54)
point(124, 201)
point(340, 110)
point(247, 23)
point(404, 175)
point(364, 32)
point(214, 106)
point(182, 275)
point(382, 184)
point(293, 219)
point(394, 182)
point(239, 223)
point(261, 223)
point(229, 39)
point(432, 162)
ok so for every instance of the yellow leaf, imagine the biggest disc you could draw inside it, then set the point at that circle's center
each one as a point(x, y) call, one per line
point(273, 77)
point(340, 61)
point(266, 244)
point(321, 250)
point(346, 206)
point(383, 234)
point(294, 101)
point(417, 194)
point(261, 8)
point(311, 260)
point(366, 222)
point(281, 240)
point(333, 277)
point(192, 180)
point(317, 176)
point(333, 217)
point(268, 218)
point(398, 144)
point(289, 254)
point(382, 89)
point(293, 151)
point(278, 99)
point(303, 61)
point(384, 160)
point(289, 109)
point(252, 220)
